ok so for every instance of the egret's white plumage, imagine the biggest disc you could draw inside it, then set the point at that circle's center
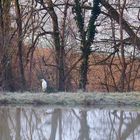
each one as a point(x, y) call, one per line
point(44, 85)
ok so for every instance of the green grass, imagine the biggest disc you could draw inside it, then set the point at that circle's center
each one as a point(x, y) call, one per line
point(72, 99)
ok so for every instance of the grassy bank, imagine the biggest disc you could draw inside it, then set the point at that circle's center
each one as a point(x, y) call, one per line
point(26, 98)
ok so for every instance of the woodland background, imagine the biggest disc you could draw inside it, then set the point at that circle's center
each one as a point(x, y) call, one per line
point(91, 45)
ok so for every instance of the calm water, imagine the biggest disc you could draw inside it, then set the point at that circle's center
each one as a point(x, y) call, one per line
point(57, 123)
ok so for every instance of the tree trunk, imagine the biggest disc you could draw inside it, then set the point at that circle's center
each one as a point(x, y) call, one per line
point(58, 48)
point(124, 66)
point(86, 36)
point(20, 45)
point(84, 70)
point(6, 57)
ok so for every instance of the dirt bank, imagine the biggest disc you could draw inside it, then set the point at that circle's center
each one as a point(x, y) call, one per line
point(26, 98)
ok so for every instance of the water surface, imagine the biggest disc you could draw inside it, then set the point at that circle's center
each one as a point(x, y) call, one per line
point(65, 123)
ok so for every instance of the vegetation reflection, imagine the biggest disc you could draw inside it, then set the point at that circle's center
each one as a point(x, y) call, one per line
point(68, 123)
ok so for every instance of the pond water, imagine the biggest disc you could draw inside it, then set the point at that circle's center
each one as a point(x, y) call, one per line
point(65, 123)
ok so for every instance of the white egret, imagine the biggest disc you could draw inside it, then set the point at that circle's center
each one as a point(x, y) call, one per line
point(44, 85)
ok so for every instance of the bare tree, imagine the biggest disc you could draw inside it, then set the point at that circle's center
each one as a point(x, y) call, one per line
point(20, 43)
point(5, 45)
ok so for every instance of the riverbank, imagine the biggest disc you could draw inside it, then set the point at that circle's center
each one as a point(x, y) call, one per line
point(71, 99)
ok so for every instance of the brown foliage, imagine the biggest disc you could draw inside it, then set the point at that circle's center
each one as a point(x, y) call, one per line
point(101, 76)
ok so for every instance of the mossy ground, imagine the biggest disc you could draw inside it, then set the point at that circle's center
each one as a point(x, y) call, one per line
point(71, 99)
